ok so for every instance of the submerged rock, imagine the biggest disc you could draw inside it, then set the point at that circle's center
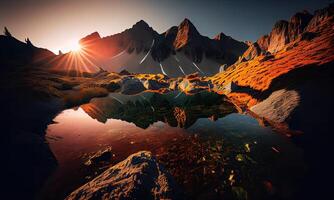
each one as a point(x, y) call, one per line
point(137, 177)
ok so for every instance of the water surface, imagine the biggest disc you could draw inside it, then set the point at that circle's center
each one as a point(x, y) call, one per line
point(210, 149)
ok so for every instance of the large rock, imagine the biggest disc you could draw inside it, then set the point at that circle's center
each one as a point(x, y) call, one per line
point(137, 177)
point(132, 86)
point(278, 106)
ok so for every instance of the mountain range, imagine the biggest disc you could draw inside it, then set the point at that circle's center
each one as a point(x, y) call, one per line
point(179, 51)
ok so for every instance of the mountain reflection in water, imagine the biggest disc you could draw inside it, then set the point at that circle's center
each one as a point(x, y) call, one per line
point(206, 146)
point(175, 109)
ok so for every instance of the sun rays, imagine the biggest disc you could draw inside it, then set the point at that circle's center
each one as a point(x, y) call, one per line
point(78, 61)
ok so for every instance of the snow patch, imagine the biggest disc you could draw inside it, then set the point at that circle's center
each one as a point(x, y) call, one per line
point(162, 69)
point(147, 53)
point(118, 55)
point(182, 70)
point(198, 68)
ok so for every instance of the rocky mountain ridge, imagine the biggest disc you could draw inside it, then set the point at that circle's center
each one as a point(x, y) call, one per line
point(178, 51)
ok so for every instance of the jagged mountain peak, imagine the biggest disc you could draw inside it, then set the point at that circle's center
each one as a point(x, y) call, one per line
point(188, 26)
point(171, 31)
point(221, 36)
point(301, 18)
point(141, 24)
point(141, 49)
point(186, 32)
point(187, 21)
point(90, 38)
point(301, 14)
point(281, 24)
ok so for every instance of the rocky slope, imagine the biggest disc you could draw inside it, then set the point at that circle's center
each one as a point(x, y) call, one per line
point(292, 84)
point(259, 73)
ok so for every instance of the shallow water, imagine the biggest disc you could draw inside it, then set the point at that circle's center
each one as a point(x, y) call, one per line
point(211, 150)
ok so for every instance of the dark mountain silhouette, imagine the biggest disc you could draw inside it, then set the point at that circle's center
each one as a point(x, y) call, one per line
point(16, 53)
point(178, 51)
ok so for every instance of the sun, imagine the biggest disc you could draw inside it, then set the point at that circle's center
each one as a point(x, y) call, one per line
point(75, 47)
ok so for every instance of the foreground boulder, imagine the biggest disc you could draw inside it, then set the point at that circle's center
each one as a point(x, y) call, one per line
point(137, 177)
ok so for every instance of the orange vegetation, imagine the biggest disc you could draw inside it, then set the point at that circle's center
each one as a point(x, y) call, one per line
point(156, 77)
point(242, 99)
point(259, 72)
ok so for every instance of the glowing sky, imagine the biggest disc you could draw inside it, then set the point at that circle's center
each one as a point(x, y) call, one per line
point(58, 24)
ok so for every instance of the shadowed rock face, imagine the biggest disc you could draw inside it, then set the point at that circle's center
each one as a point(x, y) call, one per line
point(285, 32)
point(321, 16)
point(139, 176)
point(298, 23)
point(231, 45)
